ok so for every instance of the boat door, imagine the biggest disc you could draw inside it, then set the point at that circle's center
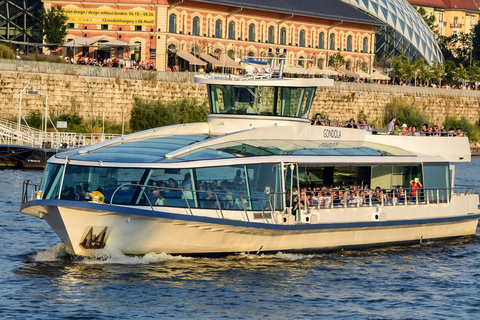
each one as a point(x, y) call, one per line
point(292, 185)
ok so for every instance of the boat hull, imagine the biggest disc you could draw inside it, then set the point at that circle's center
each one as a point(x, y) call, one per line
point(131, 232)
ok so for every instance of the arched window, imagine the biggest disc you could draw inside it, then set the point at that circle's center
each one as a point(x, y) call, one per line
point(365, 45)
point(271, 32)
point(332, 41)
point(231, 54)
point(283, 36)
point(321, 40)
point(172, 23)
point(196, 26)
point(251, 32)
point(300, 62)
point(231, 30)
point(349, 43)
point(301, 39)
point(218, 28)
point(137, 51)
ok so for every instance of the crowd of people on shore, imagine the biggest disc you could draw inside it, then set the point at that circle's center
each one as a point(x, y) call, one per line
point(111, 63)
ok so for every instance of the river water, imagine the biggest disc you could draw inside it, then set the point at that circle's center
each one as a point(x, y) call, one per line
point(39, 281)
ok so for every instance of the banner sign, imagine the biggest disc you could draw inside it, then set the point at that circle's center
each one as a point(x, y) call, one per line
point(111, 16)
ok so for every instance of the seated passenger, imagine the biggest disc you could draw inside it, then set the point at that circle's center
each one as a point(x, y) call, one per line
point(401, 196)
point(377, 197)
point(158, 198)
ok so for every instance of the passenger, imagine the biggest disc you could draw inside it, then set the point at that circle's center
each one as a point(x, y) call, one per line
point(416, 185)
point(396, 130)
point(238, 177)
point(374, 131)
point(361, 198)
point(351, 124)
point(68, 194)
point(158, 198)
point(391, 124)
point(250, 109)
point(415, 132)
point(404, 130)
point(318, 120)
point(401, 197)
point(365, 126)
point(172, 183)
point(340, 199)
point(459, 133)
point(187, 186)
point(79, 194)
point(241, 203)
point(377, 197)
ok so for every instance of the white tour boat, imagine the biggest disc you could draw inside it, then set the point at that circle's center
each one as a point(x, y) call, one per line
point(256, 177)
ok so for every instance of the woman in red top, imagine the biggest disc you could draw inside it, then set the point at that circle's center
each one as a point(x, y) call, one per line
point(415, 183)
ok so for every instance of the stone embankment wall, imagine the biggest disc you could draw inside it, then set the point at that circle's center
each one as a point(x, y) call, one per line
point(95, 97)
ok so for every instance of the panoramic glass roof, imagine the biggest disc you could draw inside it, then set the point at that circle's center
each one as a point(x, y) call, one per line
point(406, 21)
point(153, 150)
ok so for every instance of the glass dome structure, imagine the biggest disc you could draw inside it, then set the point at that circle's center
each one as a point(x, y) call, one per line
point(406, 32)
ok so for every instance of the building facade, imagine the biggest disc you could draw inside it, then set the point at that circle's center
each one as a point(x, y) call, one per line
point(162, 27)
point(452, 16)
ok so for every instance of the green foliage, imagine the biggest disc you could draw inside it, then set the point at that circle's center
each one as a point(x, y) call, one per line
point(405, 113)
point(6, 51)
point(429, 19)
point(36, 56)
point(399, 68)
point(152, 114)
point(35, 119)
point(53, 24)
point(472, 130)
point(337, 60)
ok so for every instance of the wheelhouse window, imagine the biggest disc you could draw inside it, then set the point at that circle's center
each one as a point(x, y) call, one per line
point(172, 23)
point(270, 101)
point(251, 32)
point(283, 36)
point(218, 28)
point(196, 26)
point(231, 30)
point(271, 36)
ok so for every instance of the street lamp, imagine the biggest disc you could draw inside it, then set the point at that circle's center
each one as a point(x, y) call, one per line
point(33, 91)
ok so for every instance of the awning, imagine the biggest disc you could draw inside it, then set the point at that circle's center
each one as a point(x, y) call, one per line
point(185, 55)
point(325, 72)
point(82, 42)
point(296, 70)
point(364, 75)
point(379, 76)
point(229, 63)
point(347, 73)
point(208, 58)
point(118, 43)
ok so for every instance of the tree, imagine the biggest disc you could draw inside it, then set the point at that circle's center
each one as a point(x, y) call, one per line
point(429, 19)
point(460, 73)
point(424, 73)
point(401, 67)
point(53, 23)
point(476, 42)
point(437, 69)
point(337, 60)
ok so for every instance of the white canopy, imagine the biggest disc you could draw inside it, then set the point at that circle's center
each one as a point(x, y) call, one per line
point(364, 75)
point(378, 76)
point(325, 72)
point(82, 42)
point(118, 43)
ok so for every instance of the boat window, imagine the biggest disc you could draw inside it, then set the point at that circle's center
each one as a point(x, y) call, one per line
point(83, 180)
point(387, 177)
point(228, 182)
point(264, 181)
point(436, 177)
point(171, 187)
point(269, 101)
point(335, 176)
point(50, 183)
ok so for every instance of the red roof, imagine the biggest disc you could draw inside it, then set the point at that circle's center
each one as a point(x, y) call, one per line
point(429, 3)
point(467, 5)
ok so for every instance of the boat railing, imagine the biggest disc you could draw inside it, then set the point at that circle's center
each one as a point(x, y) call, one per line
point(216, 199)
point(383, 131)
point(336, 198)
